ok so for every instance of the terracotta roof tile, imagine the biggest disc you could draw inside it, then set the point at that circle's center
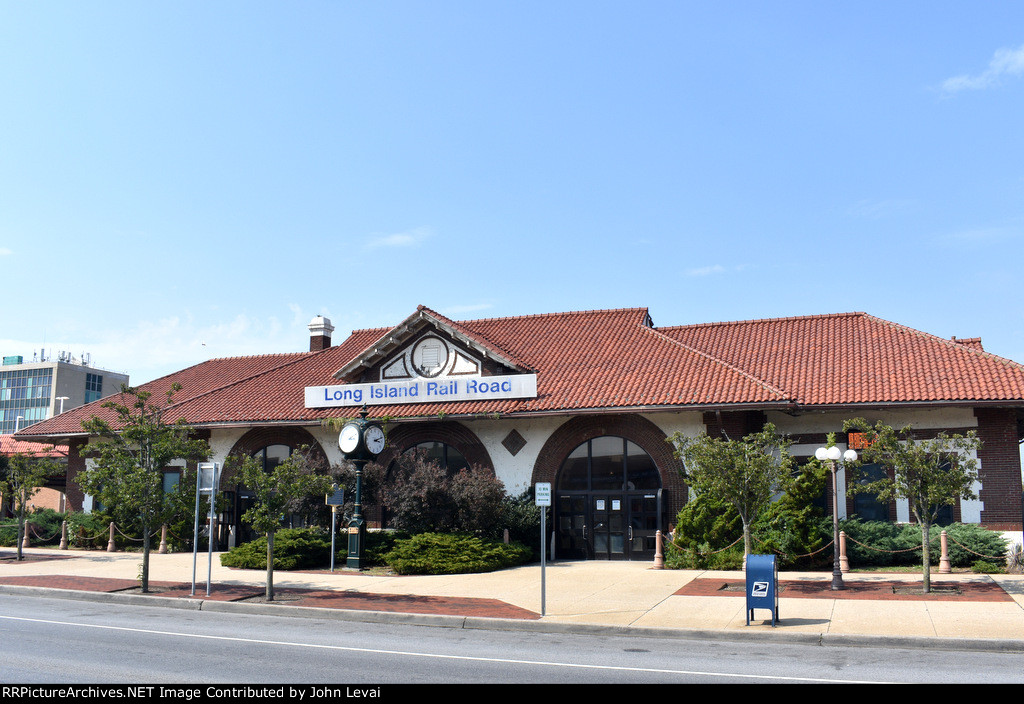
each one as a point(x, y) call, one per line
point(615, 359)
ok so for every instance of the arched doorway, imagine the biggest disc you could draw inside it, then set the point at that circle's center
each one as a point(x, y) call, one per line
point(608, 501)
point(269, 446)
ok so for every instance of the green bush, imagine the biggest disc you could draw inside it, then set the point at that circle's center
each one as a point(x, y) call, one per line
point(294, 549)
point(47, 526)
point(521, 517)
point(883, 544)
point(440, 553)
point(705, 528)
point(987, 567)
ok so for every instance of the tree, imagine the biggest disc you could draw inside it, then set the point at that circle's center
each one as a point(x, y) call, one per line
point(130, 456)
point(746, 473)
point(928, 473)
point(278, 491)
point(20, 480)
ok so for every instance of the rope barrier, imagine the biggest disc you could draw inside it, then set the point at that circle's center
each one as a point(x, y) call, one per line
point(943, 560)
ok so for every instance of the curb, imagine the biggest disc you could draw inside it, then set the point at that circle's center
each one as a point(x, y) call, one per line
point(991, 645)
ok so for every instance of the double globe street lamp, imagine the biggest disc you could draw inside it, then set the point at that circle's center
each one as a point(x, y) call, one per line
point(832, 455)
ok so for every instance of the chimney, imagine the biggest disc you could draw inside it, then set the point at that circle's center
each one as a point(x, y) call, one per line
point(320, 330)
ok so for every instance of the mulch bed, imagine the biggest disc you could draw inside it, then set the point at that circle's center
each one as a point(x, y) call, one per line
point(985, 590)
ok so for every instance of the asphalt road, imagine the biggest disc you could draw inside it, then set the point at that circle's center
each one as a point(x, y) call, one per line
point(44, 640)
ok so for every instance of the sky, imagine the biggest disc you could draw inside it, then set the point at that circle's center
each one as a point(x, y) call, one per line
point(188, 180)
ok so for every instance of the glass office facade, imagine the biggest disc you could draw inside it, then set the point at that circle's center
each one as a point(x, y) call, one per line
point(24, 397)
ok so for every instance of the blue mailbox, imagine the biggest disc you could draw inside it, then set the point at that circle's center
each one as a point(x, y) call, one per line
point(762, 585)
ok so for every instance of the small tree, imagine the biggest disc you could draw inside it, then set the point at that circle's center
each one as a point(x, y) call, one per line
point(278, 491)
point(20, 480)
point(745, 474)
point(927, 473)
point(130, 456)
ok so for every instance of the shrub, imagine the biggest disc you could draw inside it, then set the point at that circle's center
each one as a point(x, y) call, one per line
point(705, 527)
point(421, 496)
point(521, 517)
point(294, 549)
point(987, 567)
point(439, 553)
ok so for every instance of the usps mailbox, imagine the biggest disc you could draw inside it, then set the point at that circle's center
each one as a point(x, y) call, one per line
point(762, 585)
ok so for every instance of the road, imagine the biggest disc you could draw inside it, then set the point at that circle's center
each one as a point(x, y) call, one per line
point(45, 640)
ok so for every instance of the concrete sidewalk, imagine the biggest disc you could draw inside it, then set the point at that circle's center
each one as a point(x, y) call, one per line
point(966, 611)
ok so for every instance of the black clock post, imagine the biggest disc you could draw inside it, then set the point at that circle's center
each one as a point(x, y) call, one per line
point(360, 442)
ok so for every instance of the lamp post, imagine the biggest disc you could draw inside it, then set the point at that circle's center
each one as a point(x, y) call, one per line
point(832, 455)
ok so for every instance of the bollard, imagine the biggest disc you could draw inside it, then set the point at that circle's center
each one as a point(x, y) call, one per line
point(63, 535)
point(506, 537)
point(659, 555)
point(944, 557)
point(163, 540)
point(110, 543)
point(844, 563)
point(24, 539)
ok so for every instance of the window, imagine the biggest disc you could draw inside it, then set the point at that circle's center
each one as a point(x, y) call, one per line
point(445, 455)
point(172, 477)
point(608, 463)
point(93, 387)
point(867, 506)
point(272, 455)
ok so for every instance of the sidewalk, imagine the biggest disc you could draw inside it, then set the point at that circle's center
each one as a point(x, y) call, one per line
point(965, 611)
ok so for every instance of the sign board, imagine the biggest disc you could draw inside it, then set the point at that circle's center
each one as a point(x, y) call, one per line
point(209, 477)
point(440, 390)
point(336, 497)
point(542, 494)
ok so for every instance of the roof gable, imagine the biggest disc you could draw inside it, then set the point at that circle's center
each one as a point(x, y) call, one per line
point(427, 343)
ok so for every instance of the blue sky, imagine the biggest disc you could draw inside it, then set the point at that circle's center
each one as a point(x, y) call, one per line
point(181, 180)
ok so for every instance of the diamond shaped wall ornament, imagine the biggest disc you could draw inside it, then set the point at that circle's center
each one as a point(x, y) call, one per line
point(514, 442)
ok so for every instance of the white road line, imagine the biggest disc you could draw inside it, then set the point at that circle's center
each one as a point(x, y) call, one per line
point(543, 663)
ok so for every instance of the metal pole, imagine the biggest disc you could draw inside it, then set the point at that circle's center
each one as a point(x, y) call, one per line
point(543, 558)
point(209, 542)
point(195, 535)
point(837, 574)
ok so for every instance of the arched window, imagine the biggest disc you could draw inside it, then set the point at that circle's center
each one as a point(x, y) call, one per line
point(444, 454)
point(608, 463)
point(272, 455)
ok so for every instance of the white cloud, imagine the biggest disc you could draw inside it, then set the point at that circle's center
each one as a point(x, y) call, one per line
point(409, 238)
point(1005, 62)
point(706, 270)
point(456, 311)
point(5, 252)
point(153, 348)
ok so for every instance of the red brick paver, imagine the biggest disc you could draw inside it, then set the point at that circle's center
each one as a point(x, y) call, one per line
point(890, 590)
point(361, 601)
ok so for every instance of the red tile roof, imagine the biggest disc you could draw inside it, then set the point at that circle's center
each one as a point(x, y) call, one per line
point(612, 360)
point(10, 446)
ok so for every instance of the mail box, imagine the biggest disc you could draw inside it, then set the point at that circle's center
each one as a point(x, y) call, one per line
point(762, 585)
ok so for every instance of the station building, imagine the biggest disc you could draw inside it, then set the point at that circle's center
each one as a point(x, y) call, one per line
point(587, 401)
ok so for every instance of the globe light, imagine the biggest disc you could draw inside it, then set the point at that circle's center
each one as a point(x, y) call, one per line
point(850, 456)
point(821, 454)
point(834, 453)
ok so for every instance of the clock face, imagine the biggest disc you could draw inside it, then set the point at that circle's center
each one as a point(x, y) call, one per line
point(375, 439)
point(349, 438)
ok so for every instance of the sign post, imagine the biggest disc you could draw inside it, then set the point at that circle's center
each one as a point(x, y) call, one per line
point(542, 498)
point(336, 499)
point(207, 480)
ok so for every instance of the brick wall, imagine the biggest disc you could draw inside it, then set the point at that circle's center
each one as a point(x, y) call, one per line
point(1000, 468)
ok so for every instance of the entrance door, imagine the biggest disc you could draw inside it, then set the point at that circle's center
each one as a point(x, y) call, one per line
point(608, 526)
point(608, 502)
